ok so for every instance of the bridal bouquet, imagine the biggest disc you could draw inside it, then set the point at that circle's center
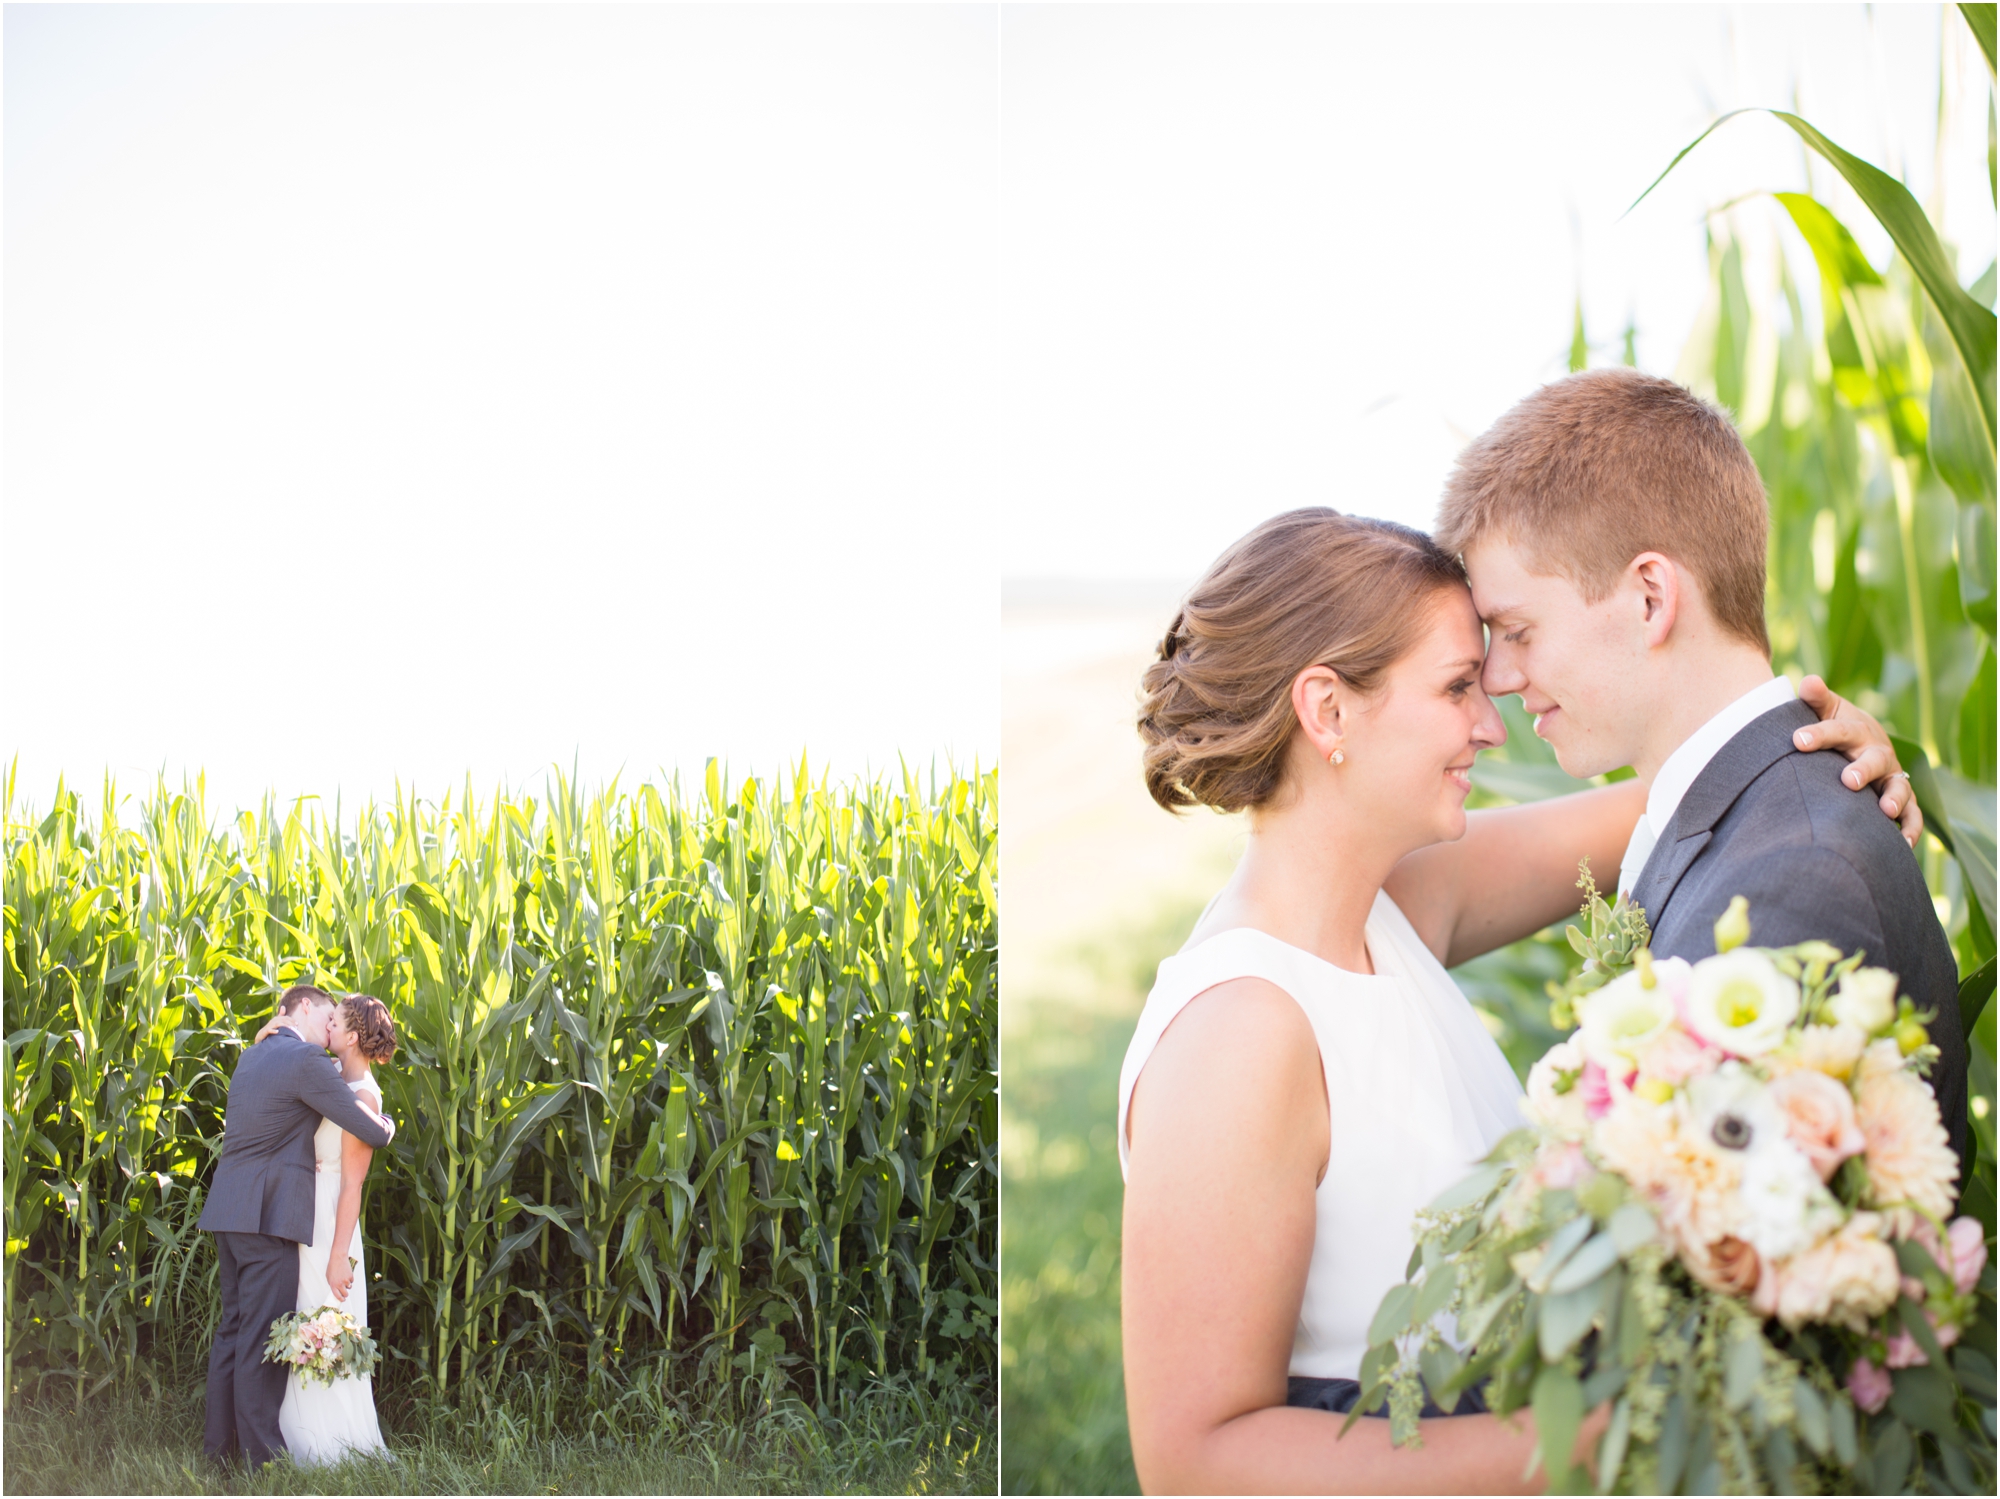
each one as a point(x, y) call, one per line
point(1728, 1216)
point(323, 1345)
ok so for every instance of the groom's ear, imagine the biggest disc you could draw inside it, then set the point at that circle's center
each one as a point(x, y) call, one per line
point(1655, 588)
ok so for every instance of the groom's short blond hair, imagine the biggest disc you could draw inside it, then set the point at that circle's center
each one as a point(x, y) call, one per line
point(1592, 470)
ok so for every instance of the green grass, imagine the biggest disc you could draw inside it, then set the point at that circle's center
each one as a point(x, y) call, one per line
point(1062, 1373)
point(1062, 1380)
point(890, 1439)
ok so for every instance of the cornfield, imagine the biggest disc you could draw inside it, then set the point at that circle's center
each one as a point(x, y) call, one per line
point(696, 1088)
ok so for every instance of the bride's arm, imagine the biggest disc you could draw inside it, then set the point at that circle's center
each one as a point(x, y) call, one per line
point(355, 1156)
point(1514, 871)
point(1219, 1224)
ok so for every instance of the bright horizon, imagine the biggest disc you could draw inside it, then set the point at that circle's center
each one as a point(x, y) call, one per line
point(396, 393)
point(401, 394)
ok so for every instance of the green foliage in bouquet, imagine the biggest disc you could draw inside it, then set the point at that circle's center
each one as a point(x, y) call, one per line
point(1612, 934)
point(1566, 1292)
point(322, 1345)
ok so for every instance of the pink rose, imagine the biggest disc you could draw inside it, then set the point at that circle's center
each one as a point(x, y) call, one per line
point(1968, 1253)
point(1819, 1119)
point(1870, 1386)
point(1561, 1167)
point(1963, 1254)
point(1595, 1087)
point(1904, 1351)
point(1675, 1056)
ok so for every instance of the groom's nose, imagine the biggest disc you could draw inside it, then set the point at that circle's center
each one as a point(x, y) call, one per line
point(1502, 673)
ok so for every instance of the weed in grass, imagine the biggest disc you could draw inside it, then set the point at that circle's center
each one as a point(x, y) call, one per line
point(890, 1438)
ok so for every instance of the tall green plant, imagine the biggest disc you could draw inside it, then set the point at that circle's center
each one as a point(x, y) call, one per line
point(703, 1079)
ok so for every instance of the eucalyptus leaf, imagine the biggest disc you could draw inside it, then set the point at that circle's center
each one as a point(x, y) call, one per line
point(1810, 1416)
point(1561, 1245)
point(1564, 1321)
point(1611, 1451)
point(1436, 1290)
point(1840, 1422)
point(1597, 1255)
point(1742, 1369)
point(1673, 1443)
point(1632, 1227)
point(1392, 1317)
point(1467, 1190)
point(1890, 1456)
point(1558, 1407)
point(1440, 1364)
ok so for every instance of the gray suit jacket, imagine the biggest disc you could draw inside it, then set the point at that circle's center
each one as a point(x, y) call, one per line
point(1814, 859)
point(278, 1094)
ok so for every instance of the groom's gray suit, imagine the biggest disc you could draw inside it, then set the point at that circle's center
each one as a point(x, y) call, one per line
point(260, 1209)
point(1813, 859)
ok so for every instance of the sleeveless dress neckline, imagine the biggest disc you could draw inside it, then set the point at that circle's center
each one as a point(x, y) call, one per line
point(1417, 1090)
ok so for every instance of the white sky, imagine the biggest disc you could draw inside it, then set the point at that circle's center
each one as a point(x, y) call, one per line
point(397, 393)
point(1267, 257)
point(392, 393)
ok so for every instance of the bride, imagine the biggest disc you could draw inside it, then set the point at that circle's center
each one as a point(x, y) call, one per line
point(1305, 1074)
point(325, 1423)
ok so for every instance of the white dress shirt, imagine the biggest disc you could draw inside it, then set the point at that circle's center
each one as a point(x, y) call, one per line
point(1680, 769)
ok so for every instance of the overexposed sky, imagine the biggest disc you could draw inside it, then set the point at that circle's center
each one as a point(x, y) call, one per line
point(1261, 257)
point(393, 393)
point(397, 393)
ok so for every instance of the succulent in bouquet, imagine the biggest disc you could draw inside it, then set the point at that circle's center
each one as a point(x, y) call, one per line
point(322, 1345)
point(1729, 1215)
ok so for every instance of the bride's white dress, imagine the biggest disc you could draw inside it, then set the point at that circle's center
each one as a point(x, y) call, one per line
point(1416, 1091)
point(325, 1423)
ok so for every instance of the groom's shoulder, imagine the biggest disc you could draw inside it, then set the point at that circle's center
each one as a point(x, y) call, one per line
point(1800, 798)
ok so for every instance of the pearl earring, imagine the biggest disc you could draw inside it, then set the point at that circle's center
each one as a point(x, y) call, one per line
point(1336, 758)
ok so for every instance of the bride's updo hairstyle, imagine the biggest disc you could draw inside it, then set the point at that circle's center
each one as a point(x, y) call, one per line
point(1306, 588)
point(367, 1020)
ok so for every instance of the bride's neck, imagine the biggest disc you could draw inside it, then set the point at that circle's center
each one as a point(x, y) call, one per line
point(353, 1067)
point(1309, 877)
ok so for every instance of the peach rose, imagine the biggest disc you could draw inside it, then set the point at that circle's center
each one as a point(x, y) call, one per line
point(1819, 1119)
point(1848, 1277)
point(1675, 1056)
point(1729, 1265)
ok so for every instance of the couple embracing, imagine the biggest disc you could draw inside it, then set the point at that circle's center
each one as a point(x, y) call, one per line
point(1305, 1074)
point(299, 1132)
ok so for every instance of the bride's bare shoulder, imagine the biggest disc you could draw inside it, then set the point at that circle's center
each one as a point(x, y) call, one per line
point(1243, 1028)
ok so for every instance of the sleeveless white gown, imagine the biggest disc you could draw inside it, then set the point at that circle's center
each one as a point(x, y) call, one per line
point(325, 1423)
point(1417, 1090)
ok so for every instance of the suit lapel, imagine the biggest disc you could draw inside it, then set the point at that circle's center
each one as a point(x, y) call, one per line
point(1755, 749)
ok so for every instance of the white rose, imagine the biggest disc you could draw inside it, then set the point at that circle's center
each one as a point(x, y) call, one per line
point(1623, 1018)
point(1554, 1099)
point(1740, 1002)
point(1785, 1207)
point(1867, 999)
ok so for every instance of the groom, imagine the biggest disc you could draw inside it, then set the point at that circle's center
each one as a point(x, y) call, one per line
point(1614, 529)
point(260, 1209)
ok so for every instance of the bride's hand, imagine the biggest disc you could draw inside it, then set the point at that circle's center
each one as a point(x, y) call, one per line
point(1860, 736)
point(340, 1276)
point(269, 1026)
